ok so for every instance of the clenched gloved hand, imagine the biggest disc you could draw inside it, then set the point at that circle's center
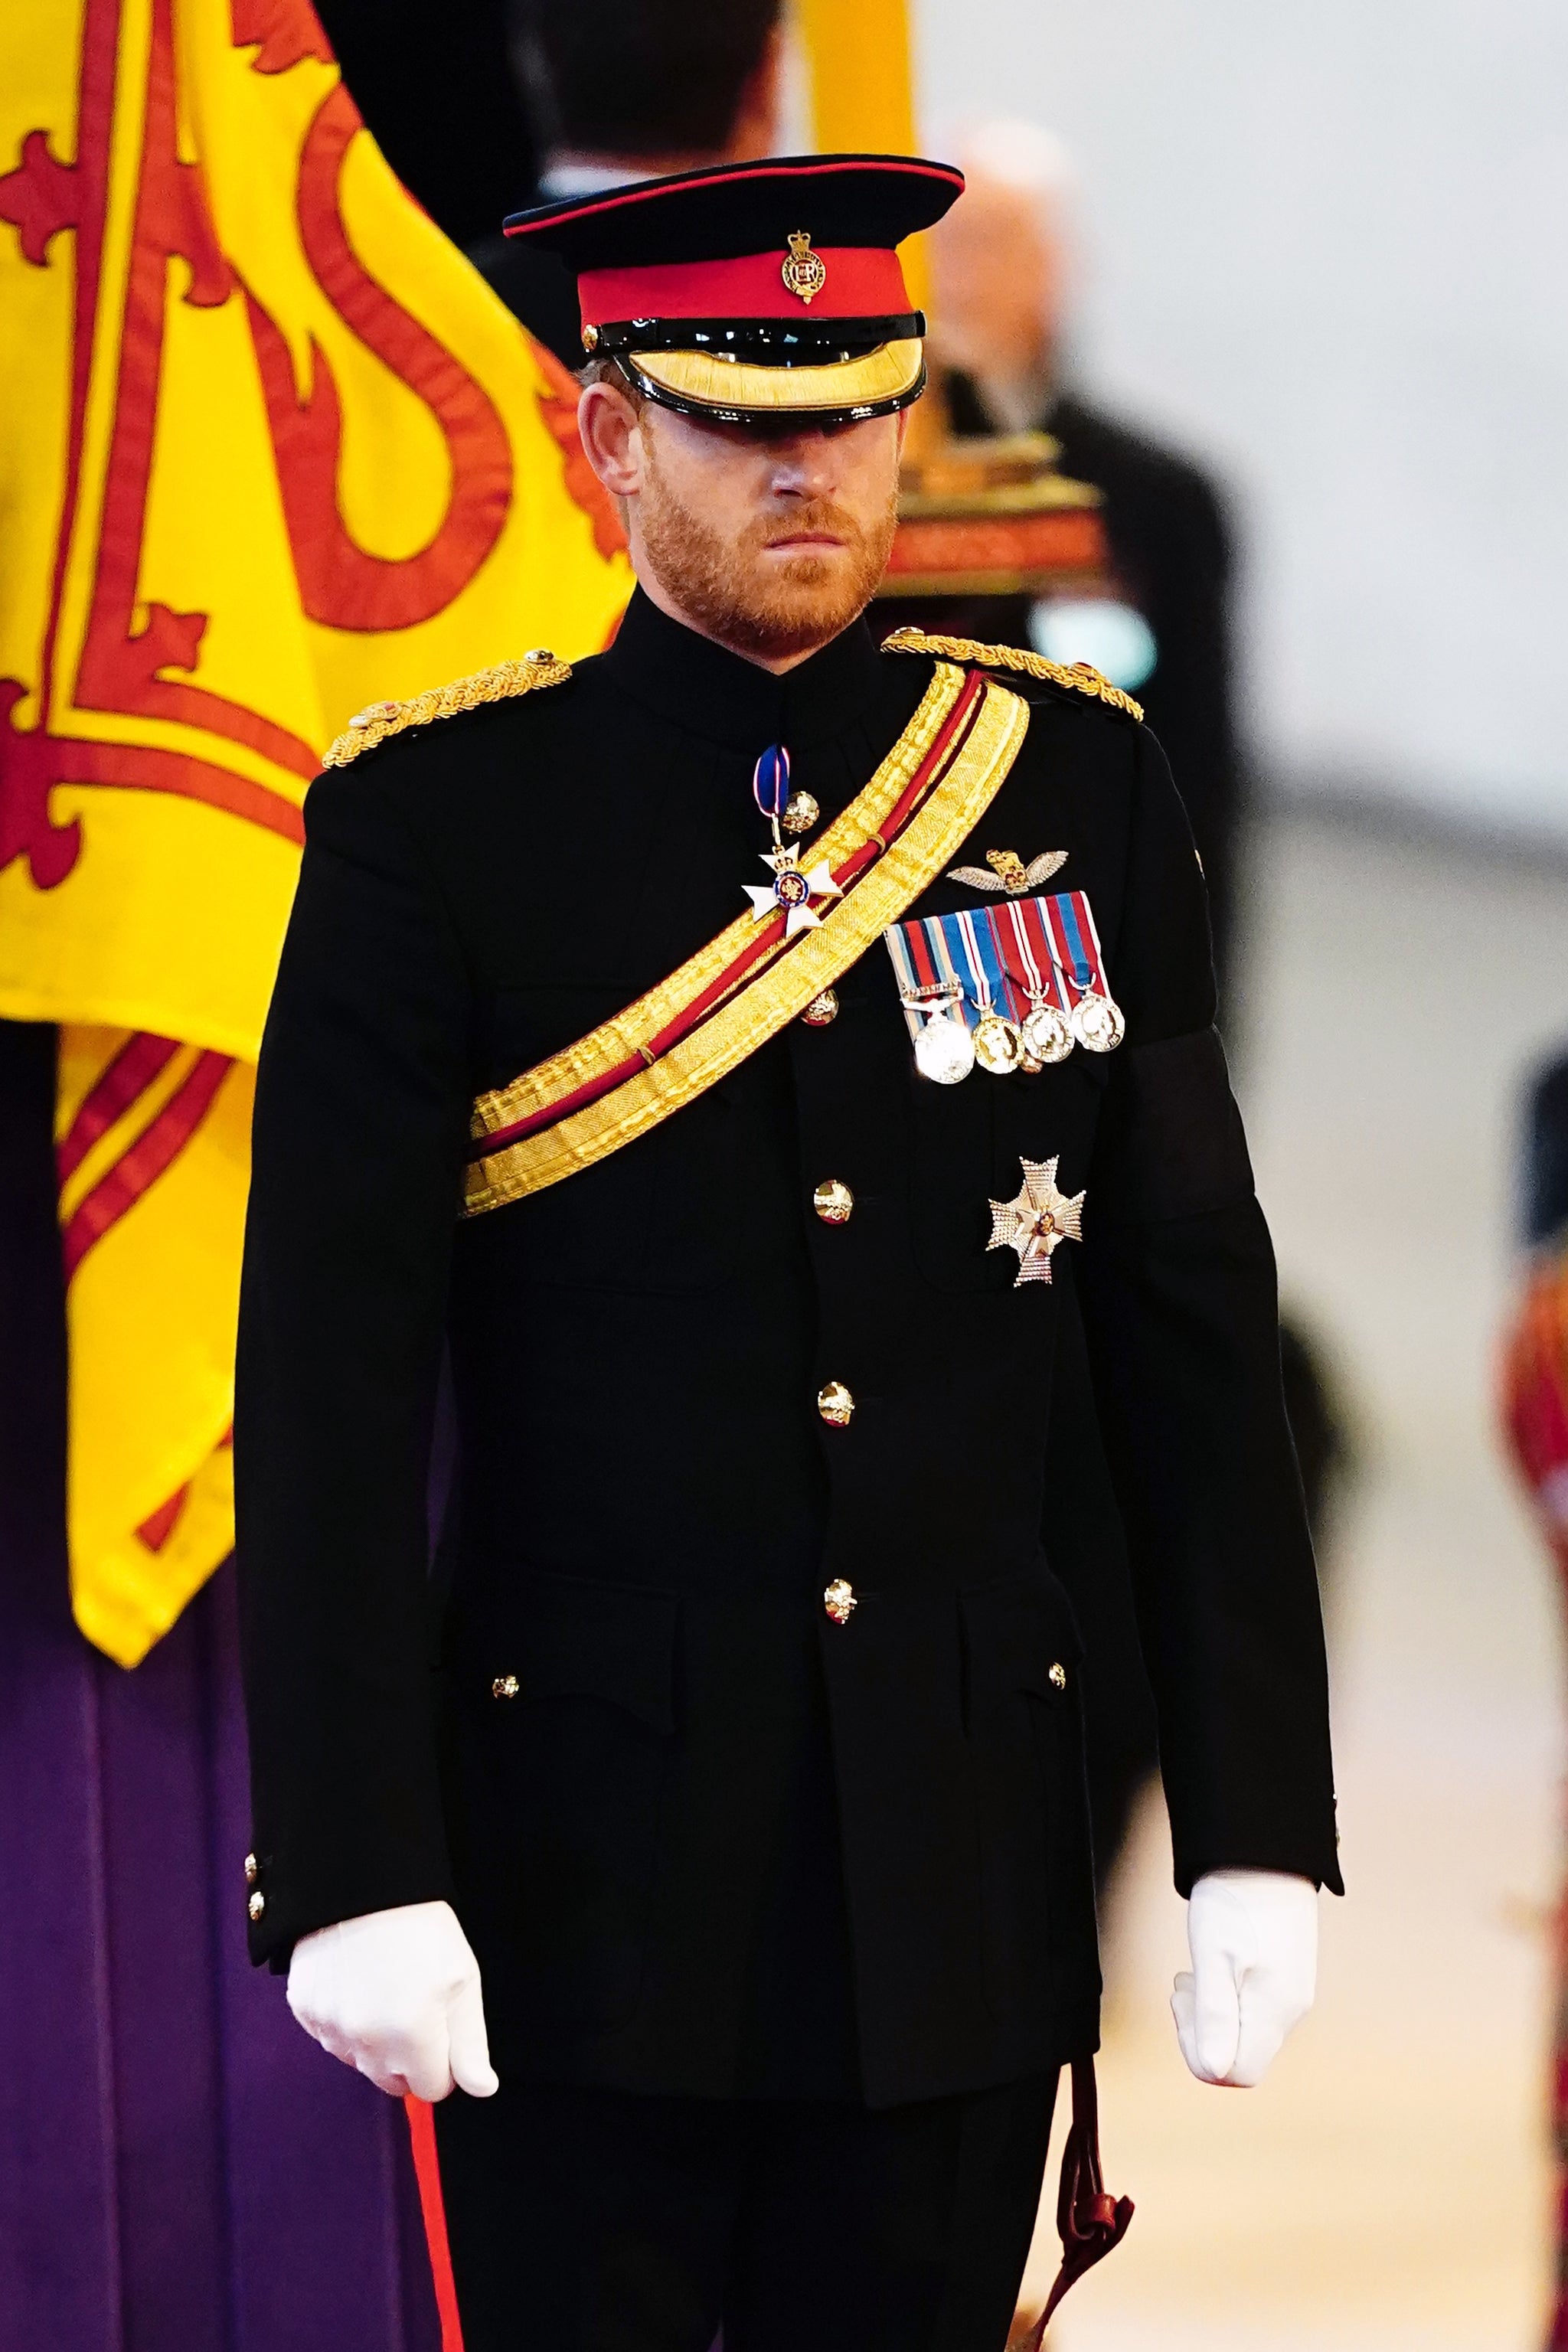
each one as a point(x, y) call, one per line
point(1253, 1936)
point(396, 1994)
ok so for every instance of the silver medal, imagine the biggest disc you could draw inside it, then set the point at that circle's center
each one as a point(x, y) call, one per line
point(1047, 1037)
point(1097, 1022)
point(944, 1050)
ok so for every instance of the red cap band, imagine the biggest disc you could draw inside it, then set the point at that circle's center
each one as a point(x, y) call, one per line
point(861, 281)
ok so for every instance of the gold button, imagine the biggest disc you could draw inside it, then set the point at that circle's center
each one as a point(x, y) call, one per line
point(539, 654)
point(836, 1404)
point(505, 1687)
point(1058, 1674)
point(832, 1201)
point(839, 1601)
point(822, 1010)
point(257, 1904)
point(251, 1871)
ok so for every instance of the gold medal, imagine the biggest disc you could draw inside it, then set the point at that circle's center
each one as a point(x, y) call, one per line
point(1047, 1035)
point(997, 1044)
point(1098, 1023)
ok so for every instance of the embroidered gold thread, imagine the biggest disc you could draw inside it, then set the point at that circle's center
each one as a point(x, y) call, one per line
point(760, 1011)
point(1082, 676)
point(631, 1031)
point(498, 684)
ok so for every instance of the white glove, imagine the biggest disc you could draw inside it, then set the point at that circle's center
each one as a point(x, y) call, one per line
point(1253, 1936)
point(396, 1994)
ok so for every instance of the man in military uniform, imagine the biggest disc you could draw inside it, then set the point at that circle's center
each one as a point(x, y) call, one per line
point(734, 1806)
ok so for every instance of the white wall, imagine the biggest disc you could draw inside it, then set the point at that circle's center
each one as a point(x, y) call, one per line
point(1325, 244)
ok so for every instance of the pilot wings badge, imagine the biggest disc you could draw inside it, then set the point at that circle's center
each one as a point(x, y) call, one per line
point(1009, 872)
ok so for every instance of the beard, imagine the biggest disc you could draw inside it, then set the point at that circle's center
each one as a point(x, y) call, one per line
point(769, 610)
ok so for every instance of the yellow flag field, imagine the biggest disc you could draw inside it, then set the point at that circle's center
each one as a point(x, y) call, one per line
point(270, 450)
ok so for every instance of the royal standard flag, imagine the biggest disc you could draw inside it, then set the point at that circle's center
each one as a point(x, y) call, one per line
point(270, 450)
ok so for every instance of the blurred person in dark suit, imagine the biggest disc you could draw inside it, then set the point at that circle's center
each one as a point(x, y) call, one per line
point(1001, 276)
point(624, 90)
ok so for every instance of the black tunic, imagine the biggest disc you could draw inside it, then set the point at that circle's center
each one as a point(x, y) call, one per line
point(717, 1843)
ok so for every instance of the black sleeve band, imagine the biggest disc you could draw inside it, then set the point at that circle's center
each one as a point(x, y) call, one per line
point(1171, 1142)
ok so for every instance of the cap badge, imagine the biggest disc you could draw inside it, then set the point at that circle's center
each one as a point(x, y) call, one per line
point(804, 272)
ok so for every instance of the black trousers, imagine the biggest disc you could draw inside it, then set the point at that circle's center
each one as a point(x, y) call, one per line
point(598, 2222)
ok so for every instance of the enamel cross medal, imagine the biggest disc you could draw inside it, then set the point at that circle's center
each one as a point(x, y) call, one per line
point(800, 891)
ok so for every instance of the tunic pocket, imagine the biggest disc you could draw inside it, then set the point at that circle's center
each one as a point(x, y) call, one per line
point(1023, 1659)
point(570, 1723)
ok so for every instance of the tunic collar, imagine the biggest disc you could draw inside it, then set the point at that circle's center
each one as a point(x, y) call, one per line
point(708, 691)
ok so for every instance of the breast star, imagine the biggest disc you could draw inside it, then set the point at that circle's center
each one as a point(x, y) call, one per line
point(1036, 1222)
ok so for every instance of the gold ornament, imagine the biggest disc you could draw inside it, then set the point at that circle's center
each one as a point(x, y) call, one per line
point(832, 1201)
point(1082, 676)
point(840, 1601)
point(801, 813)
point(836, 1404)
point(369, 727)
point(804, 272)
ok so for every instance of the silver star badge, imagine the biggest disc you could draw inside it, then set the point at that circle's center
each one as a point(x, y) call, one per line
point(796, 888)
point(1009, 872)
point(1037, 1221)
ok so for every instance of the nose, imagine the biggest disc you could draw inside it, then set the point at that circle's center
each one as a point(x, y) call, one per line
point(805, 465)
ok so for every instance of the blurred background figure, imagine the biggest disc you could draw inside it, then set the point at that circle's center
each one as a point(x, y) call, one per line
point(1535, 1413)
point(1002, 278)
point(627, 89)
point(1160, 624)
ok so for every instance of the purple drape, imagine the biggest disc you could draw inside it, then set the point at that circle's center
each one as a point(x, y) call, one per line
point(180, 2169)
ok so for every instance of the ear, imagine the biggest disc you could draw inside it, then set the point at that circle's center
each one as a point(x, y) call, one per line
point(607, 425)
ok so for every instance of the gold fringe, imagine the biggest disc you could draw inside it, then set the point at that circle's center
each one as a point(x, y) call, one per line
point(1081, 676)
point(498, 684)
point(763, 1007)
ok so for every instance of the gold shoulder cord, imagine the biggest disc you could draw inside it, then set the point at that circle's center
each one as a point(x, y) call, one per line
point(1082, 676)
point(372, 726)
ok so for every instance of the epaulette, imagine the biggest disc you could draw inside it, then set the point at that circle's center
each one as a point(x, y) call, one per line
point(1082, 676)
point(370, 727)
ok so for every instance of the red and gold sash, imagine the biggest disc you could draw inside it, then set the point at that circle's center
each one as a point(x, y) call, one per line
point(891, 842)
